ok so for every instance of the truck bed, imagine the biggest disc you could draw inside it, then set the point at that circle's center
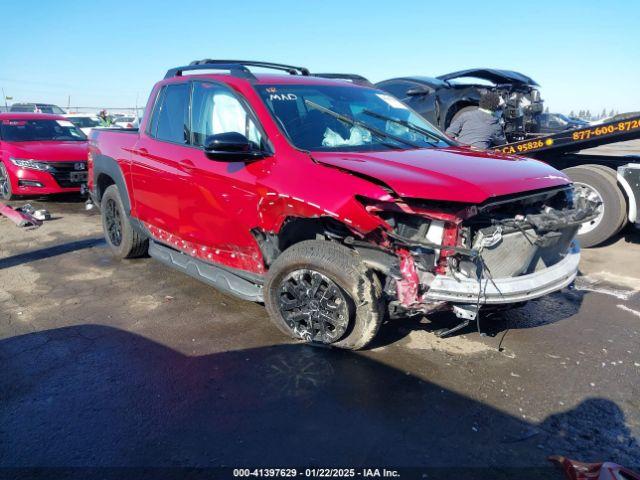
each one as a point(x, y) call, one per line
point(111, 143)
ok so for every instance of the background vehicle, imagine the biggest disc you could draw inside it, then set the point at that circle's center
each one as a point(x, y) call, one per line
point(40, 154)
point(126, 121)
point(83, 122)
point(332, 202)
point(531, 132)
point(37, 108)
point(557, 122)
point(441, 99)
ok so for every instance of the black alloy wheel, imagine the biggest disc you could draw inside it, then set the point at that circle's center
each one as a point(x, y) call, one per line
point(313, 306)
point(114, 222)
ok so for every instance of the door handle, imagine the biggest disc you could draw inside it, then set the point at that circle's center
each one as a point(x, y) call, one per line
point(186, 165)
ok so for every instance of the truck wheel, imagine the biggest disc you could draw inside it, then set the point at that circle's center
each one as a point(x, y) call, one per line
point(321, 291)
point(5, 183)
point(613, 176)
point(596, 185)
point(122, 239)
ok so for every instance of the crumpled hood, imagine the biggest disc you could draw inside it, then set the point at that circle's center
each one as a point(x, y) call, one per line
point(56, 151)
point(456, 174)
point(493, 75)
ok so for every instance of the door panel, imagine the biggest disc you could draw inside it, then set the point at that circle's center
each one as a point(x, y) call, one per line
point(157, 180)
point(156, 177)
point(220, 205)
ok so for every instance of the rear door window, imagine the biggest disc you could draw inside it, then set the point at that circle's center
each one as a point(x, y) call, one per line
point(171, 118)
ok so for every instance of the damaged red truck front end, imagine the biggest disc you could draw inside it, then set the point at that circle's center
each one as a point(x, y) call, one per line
point(467, 243)
point(333, 203)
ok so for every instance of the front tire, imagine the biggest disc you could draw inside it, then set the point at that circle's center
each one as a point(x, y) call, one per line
point(123, 240)
point(6, 192)
point(320, 291)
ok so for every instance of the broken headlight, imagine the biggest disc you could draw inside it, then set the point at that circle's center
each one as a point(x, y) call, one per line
point(418, 229)
point(408, 226)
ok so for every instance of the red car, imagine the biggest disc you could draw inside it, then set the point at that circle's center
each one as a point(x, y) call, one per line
point(40, 154)
point(332, 203)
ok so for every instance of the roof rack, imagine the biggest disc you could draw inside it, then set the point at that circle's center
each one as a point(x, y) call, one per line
point(350, 77)
point(237, 68)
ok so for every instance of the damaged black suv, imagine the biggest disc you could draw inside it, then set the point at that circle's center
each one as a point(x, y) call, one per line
point(442, 99)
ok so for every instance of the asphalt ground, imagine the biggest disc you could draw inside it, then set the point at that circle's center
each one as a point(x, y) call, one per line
point(132, 365)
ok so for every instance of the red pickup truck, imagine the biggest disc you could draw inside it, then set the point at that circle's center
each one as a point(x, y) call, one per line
point(40, 154)
point(332, 203)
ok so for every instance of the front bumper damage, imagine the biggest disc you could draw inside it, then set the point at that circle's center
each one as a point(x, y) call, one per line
point(497, 291)
point(504, 253)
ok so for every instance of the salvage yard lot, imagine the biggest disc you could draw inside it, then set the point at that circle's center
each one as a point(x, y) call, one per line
point(132, 364)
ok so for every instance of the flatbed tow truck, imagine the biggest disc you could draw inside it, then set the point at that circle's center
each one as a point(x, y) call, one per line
point(613, 181)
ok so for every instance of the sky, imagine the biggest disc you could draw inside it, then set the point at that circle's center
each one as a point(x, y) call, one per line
point(584, 54)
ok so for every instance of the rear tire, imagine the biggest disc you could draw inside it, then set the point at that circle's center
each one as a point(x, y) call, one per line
point(123, 240)
point(315, 281)
point(613, 204)
point(5, 184)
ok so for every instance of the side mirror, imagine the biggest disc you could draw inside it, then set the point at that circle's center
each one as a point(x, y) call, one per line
point(417, 91)
point(231, 147)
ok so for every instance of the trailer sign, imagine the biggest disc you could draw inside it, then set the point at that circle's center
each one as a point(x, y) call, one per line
point(606, 129)
point(575, 140)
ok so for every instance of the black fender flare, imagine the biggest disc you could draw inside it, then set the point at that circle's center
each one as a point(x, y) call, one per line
point(105, 165)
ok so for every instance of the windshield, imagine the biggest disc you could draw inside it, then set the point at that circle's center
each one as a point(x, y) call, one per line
point(40, 130)
point(328, 118)
point(85, 122)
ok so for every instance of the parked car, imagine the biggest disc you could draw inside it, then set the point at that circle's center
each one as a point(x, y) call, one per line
point(442, 99)
point(333, 203)
point(556, 122)
point(84, 122)
point(40, 154)
point(37, 108)
point(126, 121)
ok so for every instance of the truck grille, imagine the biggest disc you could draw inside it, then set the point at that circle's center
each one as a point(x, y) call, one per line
point(522, 252)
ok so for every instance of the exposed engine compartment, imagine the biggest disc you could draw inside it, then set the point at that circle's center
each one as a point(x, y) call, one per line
point(522, 105)
point(500, 240)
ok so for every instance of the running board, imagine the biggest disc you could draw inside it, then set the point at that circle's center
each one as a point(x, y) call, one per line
point(218, 277)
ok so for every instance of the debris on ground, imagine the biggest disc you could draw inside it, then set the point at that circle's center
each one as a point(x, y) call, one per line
point(25, 216)
point(39, 214)
point(575, 470)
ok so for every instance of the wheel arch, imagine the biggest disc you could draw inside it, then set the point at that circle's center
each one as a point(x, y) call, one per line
point(295, 230)
point(106, 172)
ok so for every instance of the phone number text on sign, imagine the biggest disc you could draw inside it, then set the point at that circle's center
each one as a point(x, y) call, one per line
point(606, 130)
